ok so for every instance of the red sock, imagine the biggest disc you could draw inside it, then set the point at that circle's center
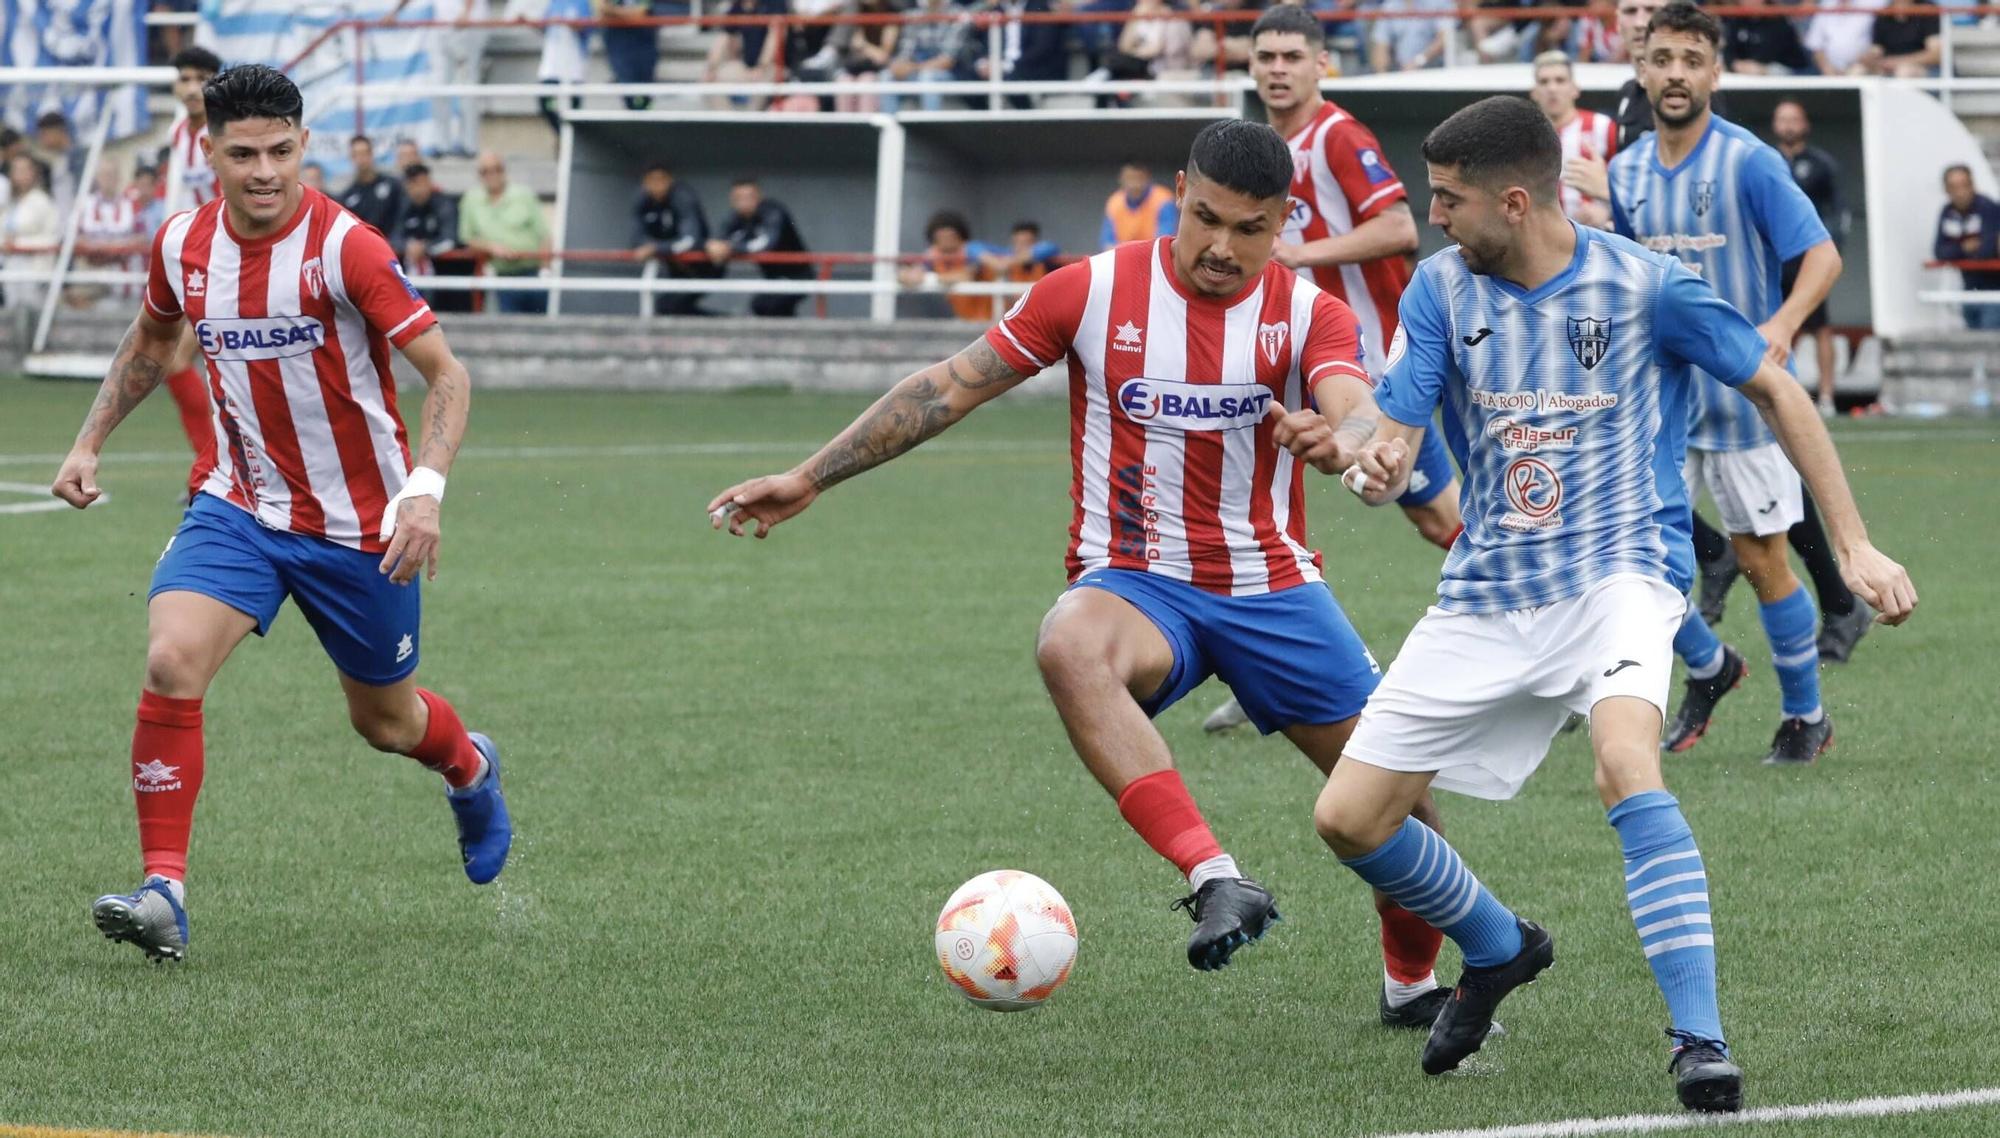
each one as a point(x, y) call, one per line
point(445, 747)
point(166, 779)
point(191, 399)
point(1452, 537)
point(1409, 946)
point(1159, 807)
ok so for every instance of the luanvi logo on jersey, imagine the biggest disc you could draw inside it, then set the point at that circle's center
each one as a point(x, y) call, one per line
point(1702, 197)
point(1589, 338)
point(155, 777)
point(259, 337)
point(1127, 339)
point(197, 285)
point(1193, 406)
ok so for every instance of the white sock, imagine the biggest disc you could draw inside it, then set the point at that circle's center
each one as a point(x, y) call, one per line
point(1221, 865)
point(1708, 670)
point(1815, 715)
point(178, 890)
point(476, 779)
point(1399, 993)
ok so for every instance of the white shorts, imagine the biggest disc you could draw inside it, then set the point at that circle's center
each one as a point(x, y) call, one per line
point(1477, 697)
point(1755, 491)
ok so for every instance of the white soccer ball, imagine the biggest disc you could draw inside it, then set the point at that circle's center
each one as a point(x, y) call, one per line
point(1006, 940)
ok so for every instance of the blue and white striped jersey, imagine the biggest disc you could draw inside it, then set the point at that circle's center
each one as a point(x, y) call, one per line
point(1731, 212)
point(1566, 408)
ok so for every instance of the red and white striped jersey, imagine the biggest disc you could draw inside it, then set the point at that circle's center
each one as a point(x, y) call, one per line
point(190, 180)
point(1340, 179)
point(107, 220)
point(296, 327)
point(1587, 133)
point(1173, 467)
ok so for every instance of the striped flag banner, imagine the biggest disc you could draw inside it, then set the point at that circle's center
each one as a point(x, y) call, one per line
point(74, 33)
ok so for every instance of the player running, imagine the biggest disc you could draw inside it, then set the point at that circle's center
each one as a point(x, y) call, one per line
point(296, 305)
point(1193, 361)
point(1563, 358)
point(1348, 229)
point(1711, 193)
point(191, 185)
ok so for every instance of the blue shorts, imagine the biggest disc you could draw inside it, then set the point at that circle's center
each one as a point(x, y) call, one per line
point(368, 625)
point(1431, 474)
point(1290, 657)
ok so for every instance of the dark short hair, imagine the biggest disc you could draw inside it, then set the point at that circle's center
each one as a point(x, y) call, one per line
point(1135, 164)
point(252, 91)
point(50, 120)
point(742, 182)
point(144, 172)
point(416, 170)
point(656, 168)
point(1958, 168)
point(1289, 19)
point(196, 59)
point(1248, 157)
point(310, 164)
point(1030, 226)
point(1681, 16)
point(9, 137)
point(947, 219)
point(1497, 142)
point(361, 140)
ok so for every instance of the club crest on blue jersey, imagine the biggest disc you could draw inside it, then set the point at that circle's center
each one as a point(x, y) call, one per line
point(1703, 197)
point(1590, 339)
point(1372, 165)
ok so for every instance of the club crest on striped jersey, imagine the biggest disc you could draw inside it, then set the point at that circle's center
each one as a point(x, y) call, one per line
point(1271, 338)
point(1590, 339)
point(1193, 406)
point(1703, 198)
point(259, 337)
point(312, 275)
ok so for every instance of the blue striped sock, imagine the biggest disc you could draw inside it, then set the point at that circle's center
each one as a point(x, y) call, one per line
point(1790, 625)
point(1667, 890)
point(1420, 871)
point(1697, 646)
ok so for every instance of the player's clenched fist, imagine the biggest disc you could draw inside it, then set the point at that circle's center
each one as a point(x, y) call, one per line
point(1308, 436)
point(767, 501)
point(1379, 467)
point(1885, 585)
point(76, 482)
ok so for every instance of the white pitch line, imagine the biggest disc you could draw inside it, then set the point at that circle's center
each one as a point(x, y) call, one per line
point(1653, 1123)
point(632, 450)
point(44, 501)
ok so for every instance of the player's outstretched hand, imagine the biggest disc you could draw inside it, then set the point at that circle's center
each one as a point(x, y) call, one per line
point(1885, 585)
point(76, 482)
point(415, 544)
point(1378, 466)
point(1308, 436)
point(768, 501)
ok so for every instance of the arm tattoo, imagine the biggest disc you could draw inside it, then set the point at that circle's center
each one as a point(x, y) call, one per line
point(133, 376)
point(912, 411)
point(444, 422)
point(987, 368)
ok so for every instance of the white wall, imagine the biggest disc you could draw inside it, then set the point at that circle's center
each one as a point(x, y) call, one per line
point(1908, 138)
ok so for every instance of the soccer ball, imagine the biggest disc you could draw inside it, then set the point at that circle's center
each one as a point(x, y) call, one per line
point(1006, 940)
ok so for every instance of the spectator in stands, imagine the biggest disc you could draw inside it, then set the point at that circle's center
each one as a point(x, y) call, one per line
point(505, 224)
point(55, 147)
point(1410, 44)
point(745, 53)
point(758, 224)
point(1584, 134)
point(948, 262)
point(1029, 53)
point(668, 225)
point(107, 233)
point(632, 51)
point(1968, 229)
point(1763, 45)
point(1025, 257)
point(408, 154)
point(146, 199)
point(1138, 210)
point(1232, 51)
point(426, 232)
point(1818, 177)
point(1906, 47)
point(1839, 40)
point(313, 174)
point(29, 229)
point(1155, 44)
point(565, 52)
point(928, 50)
point(372, 196)
point(864, 52)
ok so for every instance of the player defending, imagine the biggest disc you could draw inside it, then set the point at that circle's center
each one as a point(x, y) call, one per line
point(1706, 190)
point(1567, 587)
point(295, 304)
point(1187, 551)
point(191, 185)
